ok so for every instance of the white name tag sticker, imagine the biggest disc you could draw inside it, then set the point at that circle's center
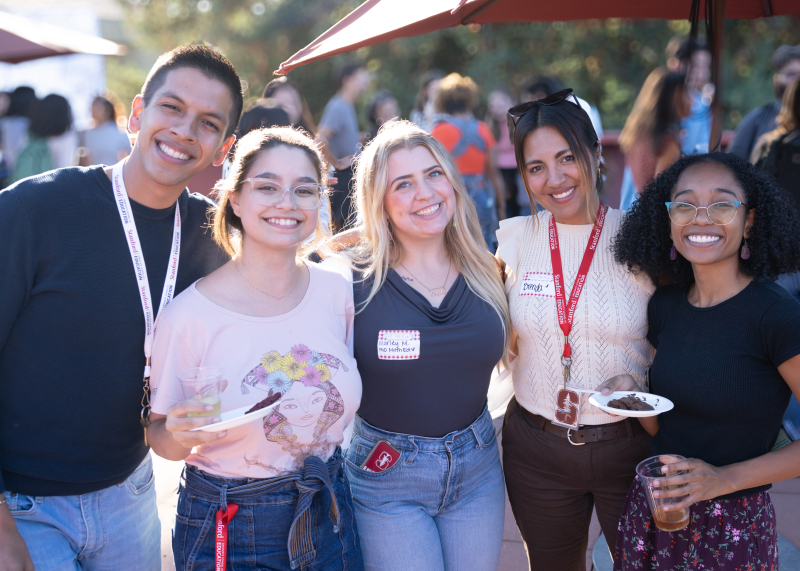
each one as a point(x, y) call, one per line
point(538, 284)
point(398, 344)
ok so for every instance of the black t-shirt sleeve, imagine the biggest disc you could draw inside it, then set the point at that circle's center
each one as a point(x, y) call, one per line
point(780, 330)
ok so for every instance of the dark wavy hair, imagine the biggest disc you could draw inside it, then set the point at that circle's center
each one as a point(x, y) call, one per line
point(644, 243)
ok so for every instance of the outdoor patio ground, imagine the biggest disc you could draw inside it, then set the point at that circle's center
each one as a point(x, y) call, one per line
point(785, 496)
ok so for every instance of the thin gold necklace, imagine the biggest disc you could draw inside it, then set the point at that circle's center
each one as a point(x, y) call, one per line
point(437, 291)
point(296, 281)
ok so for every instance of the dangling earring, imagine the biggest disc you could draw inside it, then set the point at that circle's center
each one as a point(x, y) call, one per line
point(673, 253)
point(745, 253)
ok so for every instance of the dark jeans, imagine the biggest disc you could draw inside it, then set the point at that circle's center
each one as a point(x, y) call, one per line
point(553, 486)
point(259, 538)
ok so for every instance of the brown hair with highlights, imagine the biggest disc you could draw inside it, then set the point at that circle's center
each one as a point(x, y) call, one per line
point(227, 227)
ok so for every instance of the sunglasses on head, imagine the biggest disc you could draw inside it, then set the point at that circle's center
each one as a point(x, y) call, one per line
point(518, 111)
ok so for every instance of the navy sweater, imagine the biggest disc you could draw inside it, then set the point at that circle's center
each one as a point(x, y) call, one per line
point(72, 327)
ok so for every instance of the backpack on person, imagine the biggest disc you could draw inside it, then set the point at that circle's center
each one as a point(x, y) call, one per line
point(782, 161)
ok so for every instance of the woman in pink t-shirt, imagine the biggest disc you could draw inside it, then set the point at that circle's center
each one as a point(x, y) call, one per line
point(280, 328)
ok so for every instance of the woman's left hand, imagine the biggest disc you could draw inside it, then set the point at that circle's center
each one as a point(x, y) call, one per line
point(703, 482)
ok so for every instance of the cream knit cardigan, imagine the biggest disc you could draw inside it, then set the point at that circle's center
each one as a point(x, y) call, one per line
point(608, 335)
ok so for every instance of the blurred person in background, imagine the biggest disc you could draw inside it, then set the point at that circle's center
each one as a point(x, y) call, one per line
point(424, 112)
point(263, 113)
point(778, 153)
point(472, 146)
point(287, 96)
point(650, 139)
point(52, 144)
point(339, 136)
point(786, 63)
point(105, 143)
point(693, 59)
point(14, 125)
point(382, 107)
point(499, 102)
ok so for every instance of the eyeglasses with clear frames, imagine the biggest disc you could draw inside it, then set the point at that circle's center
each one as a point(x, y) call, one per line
point(719, 213)
point(305, 196)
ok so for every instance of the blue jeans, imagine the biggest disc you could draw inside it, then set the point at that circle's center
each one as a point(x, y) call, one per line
point(439, 507)
point(115, 529)
point(296, 521)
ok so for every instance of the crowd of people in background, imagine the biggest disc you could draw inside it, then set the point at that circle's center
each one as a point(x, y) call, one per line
point(39, 135)
point(446, 224)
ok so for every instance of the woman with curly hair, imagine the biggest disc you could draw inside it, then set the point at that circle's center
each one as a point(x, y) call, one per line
point(281, 329)
point(562, 456)
point(713, 230)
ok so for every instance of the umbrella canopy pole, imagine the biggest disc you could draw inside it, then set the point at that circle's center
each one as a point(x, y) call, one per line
point(718, 20)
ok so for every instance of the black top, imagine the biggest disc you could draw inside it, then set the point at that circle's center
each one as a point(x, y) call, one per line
point(72, 327)
point(719, 366)
point(443, 390)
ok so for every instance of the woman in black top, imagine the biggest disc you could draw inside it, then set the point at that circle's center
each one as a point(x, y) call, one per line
point(727, 355)
point(431, 323)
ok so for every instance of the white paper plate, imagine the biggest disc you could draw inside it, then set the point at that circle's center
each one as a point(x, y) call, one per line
point(659, 404)
point(236, 417)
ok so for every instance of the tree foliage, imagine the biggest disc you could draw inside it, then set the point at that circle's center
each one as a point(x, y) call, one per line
point(605, 61)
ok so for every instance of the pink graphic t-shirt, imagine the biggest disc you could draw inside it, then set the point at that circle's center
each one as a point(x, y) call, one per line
point(305, 354)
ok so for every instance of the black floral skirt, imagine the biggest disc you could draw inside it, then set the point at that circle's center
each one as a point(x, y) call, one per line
point(734, 535)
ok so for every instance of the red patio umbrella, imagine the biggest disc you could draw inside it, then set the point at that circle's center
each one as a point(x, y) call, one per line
point(23, 39)
point(377, 21)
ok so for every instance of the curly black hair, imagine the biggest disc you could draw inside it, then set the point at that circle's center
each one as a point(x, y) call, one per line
point(644, 243)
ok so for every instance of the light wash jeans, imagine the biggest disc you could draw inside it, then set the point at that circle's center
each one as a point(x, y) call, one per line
point(440, 507)
point(115, 529)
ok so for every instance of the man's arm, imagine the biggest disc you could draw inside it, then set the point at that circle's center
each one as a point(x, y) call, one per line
point(322, 139)
point(16, 280)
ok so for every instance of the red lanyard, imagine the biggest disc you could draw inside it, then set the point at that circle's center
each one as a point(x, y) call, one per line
point(566, 313)
point(221, 536)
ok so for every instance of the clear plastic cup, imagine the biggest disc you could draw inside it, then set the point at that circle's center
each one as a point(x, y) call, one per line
point(650, 470)
point(205, 385)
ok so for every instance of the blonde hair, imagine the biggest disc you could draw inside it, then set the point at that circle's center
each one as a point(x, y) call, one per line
point(377, 249)
point(226, 226)
point(789, 117)
point(456, 94)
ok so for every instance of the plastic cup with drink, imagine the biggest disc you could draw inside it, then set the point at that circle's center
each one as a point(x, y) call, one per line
point(650, 470)
point(203, 385)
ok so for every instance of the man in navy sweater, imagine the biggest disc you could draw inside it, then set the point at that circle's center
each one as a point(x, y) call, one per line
point(83, 265)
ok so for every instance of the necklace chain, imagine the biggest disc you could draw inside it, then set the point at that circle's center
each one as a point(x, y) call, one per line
point(437, 291)
point(275, 297)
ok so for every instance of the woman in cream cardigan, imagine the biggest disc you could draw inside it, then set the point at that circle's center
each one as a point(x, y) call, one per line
point(562, 456)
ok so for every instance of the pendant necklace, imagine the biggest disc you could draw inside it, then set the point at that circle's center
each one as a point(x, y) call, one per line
point(275, 297)
point(437, 291)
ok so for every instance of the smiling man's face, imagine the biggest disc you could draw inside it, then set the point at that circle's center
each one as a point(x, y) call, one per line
point(181, 131)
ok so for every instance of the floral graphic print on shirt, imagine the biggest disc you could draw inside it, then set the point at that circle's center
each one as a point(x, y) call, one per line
point(310, 403)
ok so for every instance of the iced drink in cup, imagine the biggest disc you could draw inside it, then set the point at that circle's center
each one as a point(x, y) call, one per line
point(204, 385)
point(650, 470)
